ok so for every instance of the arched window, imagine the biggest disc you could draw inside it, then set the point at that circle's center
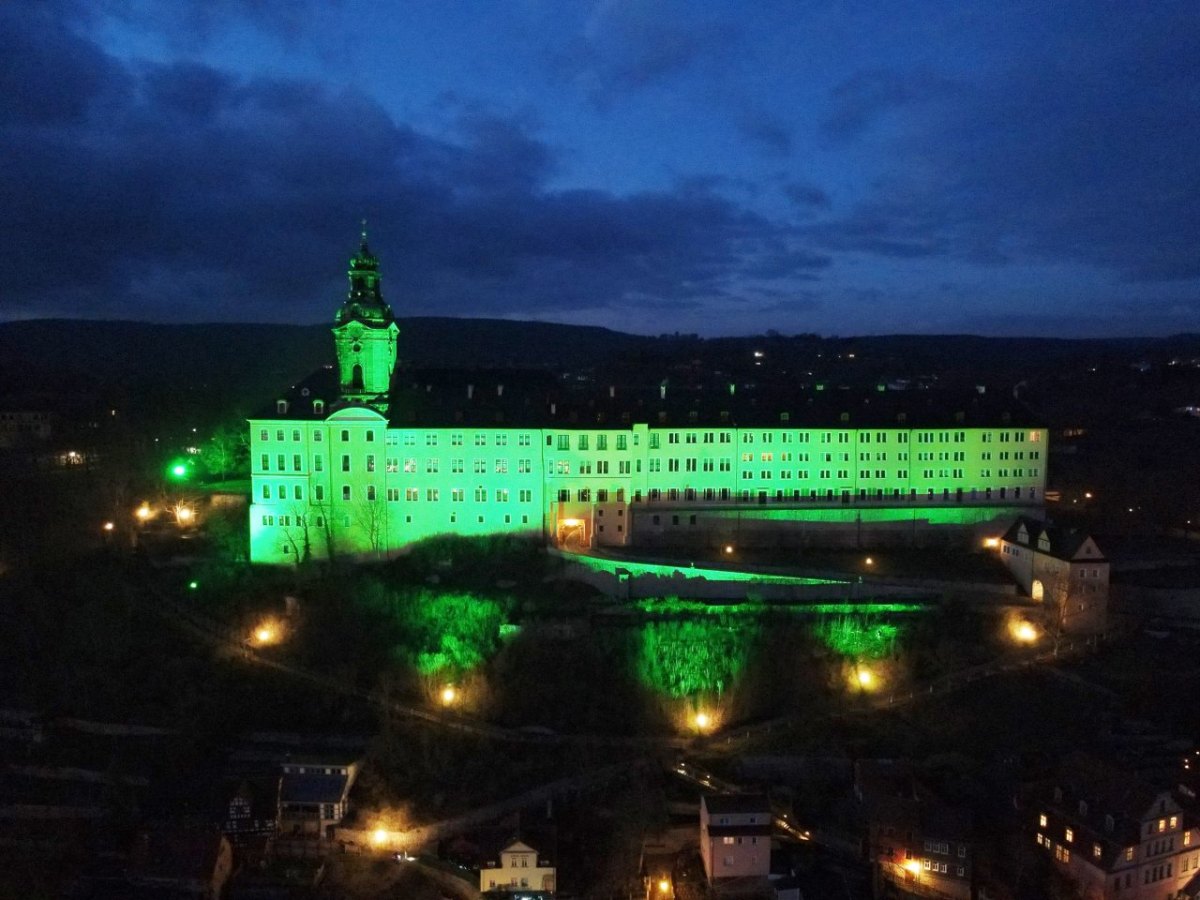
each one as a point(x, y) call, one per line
point(356, 378)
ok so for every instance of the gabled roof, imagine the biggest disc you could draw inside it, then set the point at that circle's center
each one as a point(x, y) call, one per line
point(736, 804)
point(1069, 544)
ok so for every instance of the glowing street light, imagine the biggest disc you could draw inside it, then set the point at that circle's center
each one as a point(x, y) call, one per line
point(143, 512)
point(449, 695)
point(728, 549)
point(913, 866)
point(664, 886)
point(704, 721)
point(865, 678)
point(1023, 632)
point(184, 515)
point(380, 837)
point(869, 561)
point(109, 526)
point(266, 633)
point(991, 542)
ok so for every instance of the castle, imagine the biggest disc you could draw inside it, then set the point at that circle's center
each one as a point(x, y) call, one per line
point(366, 458)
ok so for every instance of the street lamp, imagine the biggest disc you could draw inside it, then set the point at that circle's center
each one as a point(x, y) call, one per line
point(449, 695)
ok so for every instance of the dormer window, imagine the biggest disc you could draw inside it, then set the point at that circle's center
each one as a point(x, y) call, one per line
point(318, 407)
point(281, 406)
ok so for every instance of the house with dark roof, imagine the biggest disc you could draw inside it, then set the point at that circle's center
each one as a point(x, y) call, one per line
point(251, 810)
point(1116, 836)
point(313, 794)
point(1063, 569)
point(913, 839)
point(735, 836)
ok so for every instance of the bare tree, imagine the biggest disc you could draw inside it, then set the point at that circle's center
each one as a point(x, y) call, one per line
point(371, 517)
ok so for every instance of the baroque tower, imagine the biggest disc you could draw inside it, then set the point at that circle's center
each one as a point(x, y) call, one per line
point(365, 333)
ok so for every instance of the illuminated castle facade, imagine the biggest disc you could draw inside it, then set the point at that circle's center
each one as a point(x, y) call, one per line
point(366, 458)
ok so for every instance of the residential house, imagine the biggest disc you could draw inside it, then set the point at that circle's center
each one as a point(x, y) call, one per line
point(1061, 568)
point(1116, 836)
point(313, 795)
point(735, 836)
point(914, 839)
point(517, 870)
point(251, 810)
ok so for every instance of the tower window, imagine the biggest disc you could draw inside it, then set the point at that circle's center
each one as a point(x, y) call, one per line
point(356, 381)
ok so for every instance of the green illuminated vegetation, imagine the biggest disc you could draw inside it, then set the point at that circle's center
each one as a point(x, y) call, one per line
point(449, 633)
point(686, 659)
point(859, 636)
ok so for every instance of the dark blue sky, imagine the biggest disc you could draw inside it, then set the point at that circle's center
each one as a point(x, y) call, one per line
point(846, 168)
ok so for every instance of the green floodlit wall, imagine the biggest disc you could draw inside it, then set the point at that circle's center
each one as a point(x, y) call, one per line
point(346, 483)
point(614, 566)
point(381, 489)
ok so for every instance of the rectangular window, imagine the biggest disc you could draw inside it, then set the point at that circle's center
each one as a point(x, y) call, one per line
point(370, 462)
point(431, 466)
point(370, 492)
point(319, 493)
point(345, 462)
point(266, 462)
point(345, 492)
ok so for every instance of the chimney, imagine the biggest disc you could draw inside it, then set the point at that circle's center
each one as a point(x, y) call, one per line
point(612, 391)
point(470, 391)
point(499, 390)
point(553, 409)
point(662, 391)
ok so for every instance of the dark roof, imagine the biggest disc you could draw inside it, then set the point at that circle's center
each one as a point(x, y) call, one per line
point(313, 788)
point(736, 804)
point(178, 853)
point(534, 398)
point(1106, 790)
point(1064, 542)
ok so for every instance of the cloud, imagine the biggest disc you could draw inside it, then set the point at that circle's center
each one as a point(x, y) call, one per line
point(1080, 151)
point(177, 191)
point(630, 47)
point(768, 133)
point(806, 196)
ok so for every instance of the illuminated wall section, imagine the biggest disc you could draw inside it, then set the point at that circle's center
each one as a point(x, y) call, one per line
point(351, 485)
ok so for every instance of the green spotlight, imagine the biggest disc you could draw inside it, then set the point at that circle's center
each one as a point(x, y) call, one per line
point(179, 470)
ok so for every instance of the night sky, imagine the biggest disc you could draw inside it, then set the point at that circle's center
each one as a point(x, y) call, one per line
point(722, 168)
